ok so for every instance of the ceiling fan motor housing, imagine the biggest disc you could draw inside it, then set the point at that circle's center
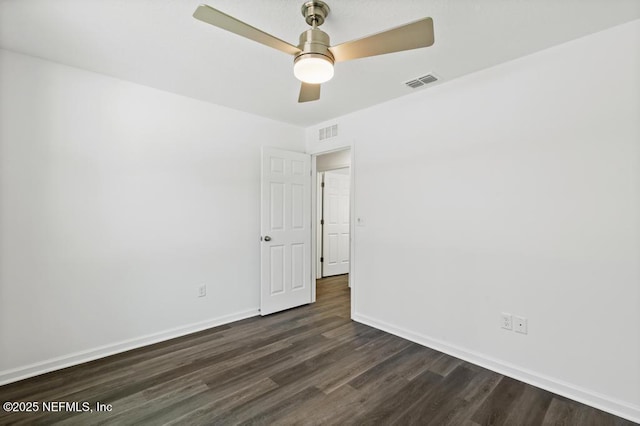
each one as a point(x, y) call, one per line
point(314, 42)
point(315, 12)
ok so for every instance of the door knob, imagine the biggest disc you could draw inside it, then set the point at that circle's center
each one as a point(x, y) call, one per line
point(267, 238)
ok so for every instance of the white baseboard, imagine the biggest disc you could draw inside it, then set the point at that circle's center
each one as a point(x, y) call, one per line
point(602, 402)
point(20, 373)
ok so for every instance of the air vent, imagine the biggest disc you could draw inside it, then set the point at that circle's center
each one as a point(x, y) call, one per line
point(421, 81)
point(414, 84)
point(328, 132)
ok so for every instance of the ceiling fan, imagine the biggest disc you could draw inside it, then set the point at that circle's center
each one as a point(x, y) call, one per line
point(314, 56)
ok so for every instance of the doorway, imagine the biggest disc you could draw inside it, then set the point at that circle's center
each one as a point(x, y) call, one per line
point(290, 234)
point(334, 229)
point(333, 172)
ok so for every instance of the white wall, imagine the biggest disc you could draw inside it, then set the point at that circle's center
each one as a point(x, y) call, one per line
point(515, 189)
point(117, 202)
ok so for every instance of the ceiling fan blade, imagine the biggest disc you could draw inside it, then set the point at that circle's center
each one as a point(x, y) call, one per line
point(309, 92)
point(221, 20)
point(406, 37)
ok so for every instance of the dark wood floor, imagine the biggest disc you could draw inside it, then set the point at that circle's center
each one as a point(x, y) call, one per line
point(310, 365)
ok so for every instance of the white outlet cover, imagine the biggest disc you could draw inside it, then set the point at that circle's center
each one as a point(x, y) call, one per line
point(520, 325)
point(506, 321)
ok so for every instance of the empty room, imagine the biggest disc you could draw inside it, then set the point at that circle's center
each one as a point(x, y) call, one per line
point(332, 212)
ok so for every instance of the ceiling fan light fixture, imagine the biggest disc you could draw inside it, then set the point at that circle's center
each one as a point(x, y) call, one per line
point(313, 68)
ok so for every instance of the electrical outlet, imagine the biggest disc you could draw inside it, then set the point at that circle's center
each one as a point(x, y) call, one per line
point(520, 325)
point(506, 321)
point(202, 291)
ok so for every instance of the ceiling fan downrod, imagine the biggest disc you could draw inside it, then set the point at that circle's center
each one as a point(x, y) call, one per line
point(314, 43)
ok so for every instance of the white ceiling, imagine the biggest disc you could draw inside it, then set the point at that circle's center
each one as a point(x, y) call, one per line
point(157, 43)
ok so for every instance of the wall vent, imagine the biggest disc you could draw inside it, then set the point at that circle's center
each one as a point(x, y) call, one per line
point(421, 81)
point(328, 132)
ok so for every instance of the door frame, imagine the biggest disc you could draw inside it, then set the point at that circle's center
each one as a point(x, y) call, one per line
point(319, 214)
point(314, 219)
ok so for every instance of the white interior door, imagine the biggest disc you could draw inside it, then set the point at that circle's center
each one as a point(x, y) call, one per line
point(285, 230)
point(335, 230)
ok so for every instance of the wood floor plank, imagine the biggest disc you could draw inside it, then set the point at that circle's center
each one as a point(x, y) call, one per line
point(284, 406)
point(324, 361)
point(559, 413)
point(315, 411)
point(462, 407)
point(445, 364)
point(393, 406)
point(497, 406)
point(407, 364)
point(208, 411)
point(277, 402)
point(530, 408)
point(360, 360)
point(438, 404)
point(309, 365)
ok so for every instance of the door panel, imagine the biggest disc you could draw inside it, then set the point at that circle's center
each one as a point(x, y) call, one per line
point(297, 254)
point(276, 260)
point(336, 224)
point(285, 230)
point(277, 205)
point(298, 210)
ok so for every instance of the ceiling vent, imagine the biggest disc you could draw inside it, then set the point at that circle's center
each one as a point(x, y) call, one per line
point(328, 132)
point(421, 81)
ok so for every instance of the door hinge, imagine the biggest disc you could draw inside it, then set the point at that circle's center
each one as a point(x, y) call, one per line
point(322, 259)
point(321, 221)
point(322, 184)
